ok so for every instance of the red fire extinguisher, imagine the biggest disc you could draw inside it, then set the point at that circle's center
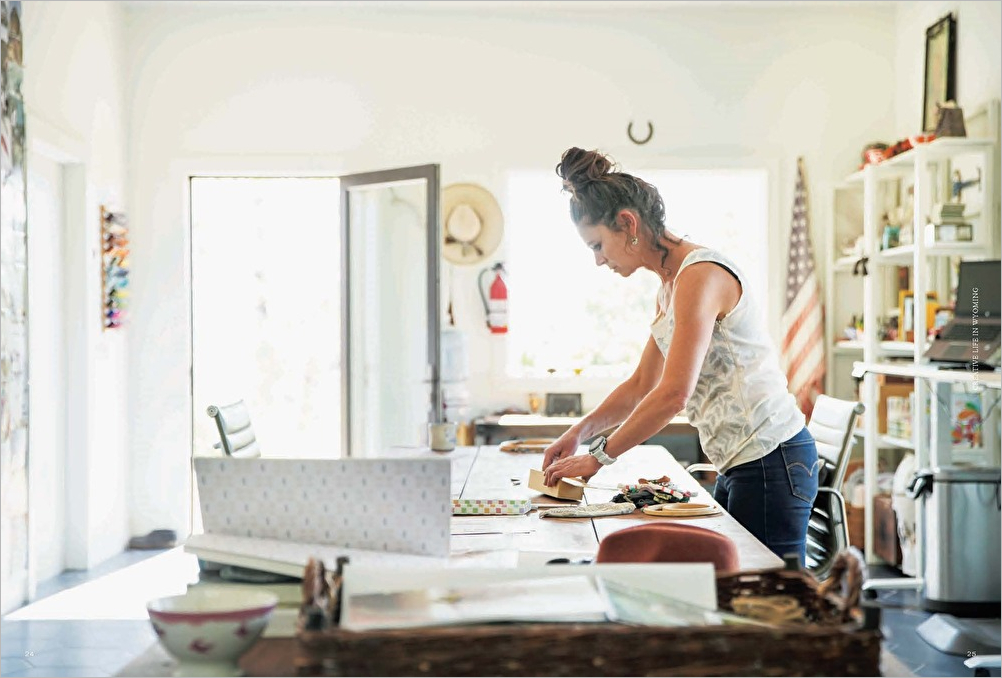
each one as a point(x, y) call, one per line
point(496, 301)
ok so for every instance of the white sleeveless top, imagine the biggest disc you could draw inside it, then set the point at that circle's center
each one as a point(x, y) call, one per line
point(741, 405)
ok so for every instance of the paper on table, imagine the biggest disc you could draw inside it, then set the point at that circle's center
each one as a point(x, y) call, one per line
point(553, 599)
point(577, 482)
point(693, 583)
point(290, 558)
point(500, 524)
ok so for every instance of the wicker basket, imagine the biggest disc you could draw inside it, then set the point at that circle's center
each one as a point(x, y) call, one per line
point(826, 645)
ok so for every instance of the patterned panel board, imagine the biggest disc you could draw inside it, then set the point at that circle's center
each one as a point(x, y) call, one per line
point(396, 505)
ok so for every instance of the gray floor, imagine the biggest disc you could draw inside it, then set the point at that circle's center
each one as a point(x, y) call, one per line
point(54, 637)
point(901, 616)
point(40, 640)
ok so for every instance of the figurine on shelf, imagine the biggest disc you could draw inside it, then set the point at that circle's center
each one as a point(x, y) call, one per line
point(891, 235)
point(959, 185)
point(888, 328)
point(849, 331)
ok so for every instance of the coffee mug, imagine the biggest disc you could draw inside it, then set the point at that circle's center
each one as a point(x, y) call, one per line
point(442, 436)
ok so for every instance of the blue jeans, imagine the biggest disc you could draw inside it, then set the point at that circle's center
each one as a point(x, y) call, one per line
point(772, 496)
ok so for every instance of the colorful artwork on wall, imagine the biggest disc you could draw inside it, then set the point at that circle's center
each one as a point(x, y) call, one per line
point(114, 268)
point(14, 320)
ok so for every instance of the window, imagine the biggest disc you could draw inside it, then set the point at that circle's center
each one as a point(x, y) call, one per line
point(567, 315)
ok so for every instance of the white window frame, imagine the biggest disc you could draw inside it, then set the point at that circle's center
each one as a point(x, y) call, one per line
point(594, 389)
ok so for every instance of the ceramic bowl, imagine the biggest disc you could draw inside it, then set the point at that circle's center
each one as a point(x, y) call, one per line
point(207, 629)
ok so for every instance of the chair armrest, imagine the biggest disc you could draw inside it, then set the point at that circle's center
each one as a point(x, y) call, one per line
point(842, 519)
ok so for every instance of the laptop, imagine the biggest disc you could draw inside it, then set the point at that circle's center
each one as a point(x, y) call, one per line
point(973, 336)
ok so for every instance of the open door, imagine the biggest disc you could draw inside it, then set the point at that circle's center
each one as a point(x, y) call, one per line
point(390, 347)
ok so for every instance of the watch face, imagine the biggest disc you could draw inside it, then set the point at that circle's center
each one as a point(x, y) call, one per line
point(596, 444)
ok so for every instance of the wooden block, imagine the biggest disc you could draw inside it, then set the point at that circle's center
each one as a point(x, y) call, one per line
point(562, 490)
point(855, 522)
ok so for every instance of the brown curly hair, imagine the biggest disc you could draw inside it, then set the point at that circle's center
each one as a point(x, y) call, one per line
point(598, 192)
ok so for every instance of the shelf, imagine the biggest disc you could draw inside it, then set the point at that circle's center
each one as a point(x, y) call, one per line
point(911, 183)
point(904, 255)
point(887, 348)
point(984, 377)
point(891, 441)
point(904, 349)
point(845, 264)
point(848, 346)
point(936, 149)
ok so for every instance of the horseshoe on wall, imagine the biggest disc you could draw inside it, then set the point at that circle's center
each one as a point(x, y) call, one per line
point(640, 142)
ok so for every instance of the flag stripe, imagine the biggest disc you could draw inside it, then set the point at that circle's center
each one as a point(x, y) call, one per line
point(802, 300)
point(806, 365)
point(795, 345)
point(796, 323)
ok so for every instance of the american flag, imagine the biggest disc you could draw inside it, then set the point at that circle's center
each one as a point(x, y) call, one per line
point(803, 318)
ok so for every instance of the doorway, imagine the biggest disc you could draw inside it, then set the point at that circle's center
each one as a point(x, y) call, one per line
point(315, 300)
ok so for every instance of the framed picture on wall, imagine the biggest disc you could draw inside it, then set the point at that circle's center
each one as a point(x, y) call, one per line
point(940, 67)
point(563, 405)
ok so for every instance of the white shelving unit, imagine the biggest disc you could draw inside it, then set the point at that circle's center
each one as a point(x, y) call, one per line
point(927, 168)
point(843, 290)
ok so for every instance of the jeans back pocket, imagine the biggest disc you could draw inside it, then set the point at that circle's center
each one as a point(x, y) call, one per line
point(802, 468)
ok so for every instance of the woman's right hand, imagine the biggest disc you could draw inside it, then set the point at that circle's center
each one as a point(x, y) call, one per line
point(565, 446)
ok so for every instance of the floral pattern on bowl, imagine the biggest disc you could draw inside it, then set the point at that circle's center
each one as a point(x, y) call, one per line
point(207, 629)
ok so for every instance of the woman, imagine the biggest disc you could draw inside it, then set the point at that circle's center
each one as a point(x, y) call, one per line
point(709, 355)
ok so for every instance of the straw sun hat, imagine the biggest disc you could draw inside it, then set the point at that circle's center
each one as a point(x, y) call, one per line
point(472, 223)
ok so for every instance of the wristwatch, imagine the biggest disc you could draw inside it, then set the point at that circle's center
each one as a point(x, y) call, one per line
point(597, 450)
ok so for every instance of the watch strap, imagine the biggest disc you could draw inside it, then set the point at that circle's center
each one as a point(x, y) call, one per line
point(598, 451)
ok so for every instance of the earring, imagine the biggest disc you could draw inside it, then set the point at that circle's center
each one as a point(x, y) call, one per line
point(634, 240)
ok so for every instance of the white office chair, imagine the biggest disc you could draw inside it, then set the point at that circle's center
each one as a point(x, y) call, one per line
point(236, 435)
point(832, 424)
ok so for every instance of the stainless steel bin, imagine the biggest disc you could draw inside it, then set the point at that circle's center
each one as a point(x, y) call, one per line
point(963, 506)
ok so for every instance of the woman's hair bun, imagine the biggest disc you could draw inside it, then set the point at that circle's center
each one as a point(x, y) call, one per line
point(579, 167)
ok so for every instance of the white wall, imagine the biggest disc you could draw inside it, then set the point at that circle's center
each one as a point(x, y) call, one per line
point(75, 114)
point(47, 367)
point(978, 67)
point(480, 89)
point(979, 57)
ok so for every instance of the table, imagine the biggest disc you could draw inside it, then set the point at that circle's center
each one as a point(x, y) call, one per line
point(488, 473)
point(485, 472)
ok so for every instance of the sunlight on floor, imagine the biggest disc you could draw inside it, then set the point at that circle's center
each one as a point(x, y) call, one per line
point(120, 595)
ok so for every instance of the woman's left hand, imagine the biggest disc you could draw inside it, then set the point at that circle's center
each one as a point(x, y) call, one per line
point(583, 465)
